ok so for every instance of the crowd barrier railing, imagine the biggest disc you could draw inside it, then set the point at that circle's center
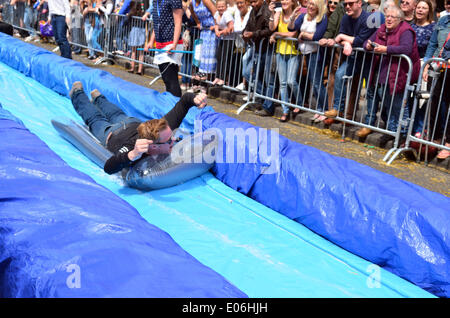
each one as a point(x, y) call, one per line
point(310, 81)
point(429, 126)
point(360, 96)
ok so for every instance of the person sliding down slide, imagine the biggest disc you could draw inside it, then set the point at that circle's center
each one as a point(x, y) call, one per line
point(128, 138)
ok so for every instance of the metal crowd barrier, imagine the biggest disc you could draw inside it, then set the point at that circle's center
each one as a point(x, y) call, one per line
point(310, 80)
point(429, 126)
point(312, 89)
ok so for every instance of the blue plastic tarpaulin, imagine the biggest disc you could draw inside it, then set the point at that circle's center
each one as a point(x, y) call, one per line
point(393, 223)
point(63, 235)
point(220, 227)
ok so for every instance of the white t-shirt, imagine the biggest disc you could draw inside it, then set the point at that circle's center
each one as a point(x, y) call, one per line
point(222, 22)
point(443, 13)
point(310, 27)
point(239, 26)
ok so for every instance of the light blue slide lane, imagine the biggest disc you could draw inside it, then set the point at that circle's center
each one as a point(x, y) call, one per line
point(258, 250)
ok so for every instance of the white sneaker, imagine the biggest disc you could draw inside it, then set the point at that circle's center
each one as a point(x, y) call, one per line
point(240, 87)
point(28, 38)
point(245, 98)
point(56, 49)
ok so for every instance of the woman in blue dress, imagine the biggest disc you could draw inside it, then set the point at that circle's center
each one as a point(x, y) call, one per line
point(203, 14)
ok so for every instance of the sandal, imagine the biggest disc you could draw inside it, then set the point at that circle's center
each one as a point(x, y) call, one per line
point(284, 118)
point(444, 153)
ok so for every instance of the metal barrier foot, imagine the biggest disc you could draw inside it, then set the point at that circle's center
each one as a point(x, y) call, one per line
point(101, 60)
point(242, 108)
point(154, 80)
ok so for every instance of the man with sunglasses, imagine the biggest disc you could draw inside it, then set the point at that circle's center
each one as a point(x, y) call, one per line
point(357, 26)
point(408, 7)
point(128, 138)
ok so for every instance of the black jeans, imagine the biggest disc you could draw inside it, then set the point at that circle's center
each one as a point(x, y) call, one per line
point(169, 74)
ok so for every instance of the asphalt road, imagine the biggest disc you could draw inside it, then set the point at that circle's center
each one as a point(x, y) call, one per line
point(432, 177)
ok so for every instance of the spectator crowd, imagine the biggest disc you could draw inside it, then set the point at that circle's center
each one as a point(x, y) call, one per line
point(315, 55)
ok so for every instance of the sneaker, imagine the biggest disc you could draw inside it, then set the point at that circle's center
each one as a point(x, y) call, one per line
point(313, 118)
point(384, 140)
point(29, 38)
point(328, 121)
point(284, 118)
point(331, 113)
point(76, 86)
point(363, 132)
point(263, 113)
point(444, 153)
point(56, 49)
point(240, 87)
point(320, 119)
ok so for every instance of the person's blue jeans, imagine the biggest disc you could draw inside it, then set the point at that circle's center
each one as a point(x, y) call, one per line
point(59, 31)
point(121, 35)
point(76, 39)
point(315, 78)
point(28, 19)
point(266, 86)
point(391, 107)
point(287, 73)
point(88, 30)
point(101, 116)
point(95, 36)
point(340, 83)
point(186, 68)
point(247, 63)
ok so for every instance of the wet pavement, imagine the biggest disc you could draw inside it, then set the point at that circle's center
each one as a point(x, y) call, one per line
point(434, 176)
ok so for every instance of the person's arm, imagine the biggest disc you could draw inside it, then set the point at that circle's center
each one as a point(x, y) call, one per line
point(332, 25)
point(176, 115)
point(405, 46)
point(274, 17)
point(177, 19)
point(150, 43)
point(296, 19)
point(67, 13)
point(125, 7)
point(230, 24)
point(432, 44)
point(146, 15)
point(367, 28)
point(367, 45)
point(446, 51)
point(194, 16)
point(106, 10)
point(210, 5)
point(264, 32)
point(320, 29)
point(123, 159)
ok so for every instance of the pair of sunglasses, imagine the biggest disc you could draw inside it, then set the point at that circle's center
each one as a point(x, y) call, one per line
point(171, 140)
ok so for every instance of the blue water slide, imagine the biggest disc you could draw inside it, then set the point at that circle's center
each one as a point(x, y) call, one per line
point(212, 220)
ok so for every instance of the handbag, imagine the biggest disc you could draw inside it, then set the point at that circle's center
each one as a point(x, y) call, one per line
point(45, 28)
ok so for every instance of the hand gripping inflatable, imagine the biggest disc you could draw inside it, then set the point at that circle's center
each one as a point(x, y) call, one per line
point(190, 158)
